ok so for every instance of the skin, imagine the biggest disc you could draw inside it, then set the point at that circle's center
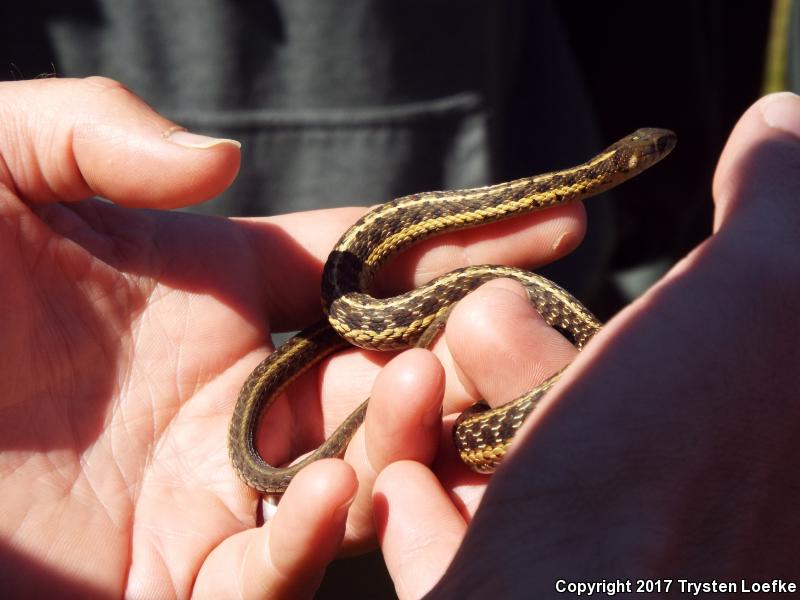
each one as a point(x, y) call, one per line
point(668, 449)
point(126, 334)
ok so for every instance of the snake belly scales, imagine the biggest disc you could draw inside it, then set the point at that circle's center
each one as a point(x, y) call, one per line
point(482, 435)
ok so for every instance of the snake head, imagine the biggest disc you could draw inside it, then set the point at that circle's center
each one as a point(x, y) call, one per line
point(643, 148)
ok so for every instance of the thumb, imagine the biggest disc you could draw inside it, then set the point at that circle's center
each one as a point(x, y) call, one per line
point(757, 181)
point(68, 139)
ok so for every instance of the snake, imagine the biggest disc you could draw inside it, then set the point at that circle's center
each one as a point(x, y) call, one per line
point(482, 435)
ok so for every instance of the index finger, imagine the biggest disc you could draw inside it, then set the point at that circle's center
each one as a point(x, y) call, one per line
point(291, 251)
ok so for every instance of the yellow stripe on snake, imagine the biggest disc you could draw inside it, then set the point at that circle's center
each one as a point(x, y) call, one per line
point(481, 435)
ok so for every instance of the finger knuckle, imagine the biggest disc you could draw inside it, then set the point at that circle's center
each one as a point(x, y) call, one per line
point(105, 84)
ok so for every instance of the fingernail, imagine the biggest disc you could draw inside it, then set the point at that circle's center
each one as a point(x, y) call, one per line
point(340, 514)
point(193, 140)
point(782, 111)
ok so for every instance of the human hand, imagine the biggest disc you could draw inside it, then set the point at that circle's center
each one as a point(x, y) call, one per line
point(668, 449)
point(126, 336)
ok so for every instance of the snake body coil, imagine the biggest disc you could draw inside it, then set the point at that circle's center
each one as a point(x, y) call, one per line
point(481, 435)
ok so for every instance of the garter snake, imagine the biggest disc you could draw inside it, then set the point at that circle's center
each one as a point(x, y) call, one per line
point(481, 435)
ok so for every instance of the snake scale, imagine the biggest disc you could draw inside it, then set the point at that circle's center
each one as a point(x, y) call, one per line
point(482, 435)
